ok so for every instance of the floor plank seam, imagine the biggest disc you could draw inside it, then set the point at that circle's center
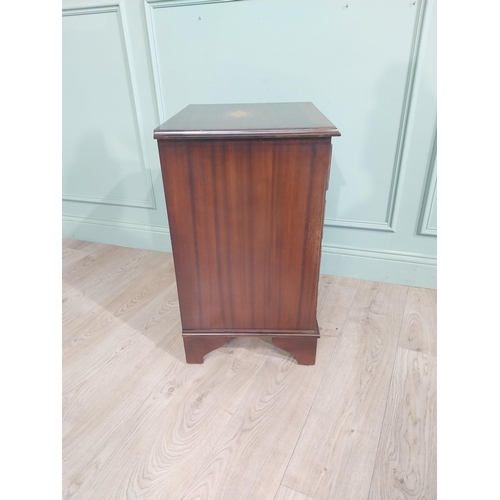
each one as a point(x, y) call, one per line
point(409, 350)
point(202, 464)
point(251, 421)
point(317, 391)
point(387, 392)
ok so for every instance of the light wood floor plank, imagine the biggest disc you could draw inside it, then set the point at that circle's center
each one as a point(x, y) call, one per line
point(82, 270)
point(140, 423)
point(83, 334)
point(166, 434)
point(335, 298)
point(152, 322)
point(276, 407)
point(285, 493)
point(70, 256)
point(253, 349)
point(419, 325)
point(105, 283)
point(335, 454)
point(405, 467)
point(83, 445)
point(84, 246)
point(88, 382)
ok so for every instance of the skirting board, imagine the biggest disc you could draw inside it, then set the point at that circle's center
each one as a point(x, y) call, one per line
point(390, 267)
point(119, 233)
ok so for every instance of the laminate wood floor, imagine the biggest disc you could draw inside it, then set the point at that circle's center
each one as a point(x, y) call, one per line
point(249, 423)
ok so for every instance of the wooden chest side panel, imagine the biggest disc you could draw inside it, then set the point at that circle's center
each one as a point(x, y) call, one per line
point(246, 220)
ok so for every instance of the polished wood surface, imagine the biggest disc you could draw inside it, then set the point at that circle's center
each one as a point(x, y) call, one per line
point(246, 221)
point(140, 423)
point(197, 346)
point(297, 119)
point(303, 348)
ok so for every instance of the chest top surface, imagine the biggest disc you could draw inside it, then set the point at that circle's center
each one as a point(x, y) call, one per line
point(261, 120)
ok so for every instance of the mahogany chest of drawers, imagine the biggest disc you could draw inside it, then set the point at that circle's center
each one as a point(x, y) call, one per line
point(245, 190)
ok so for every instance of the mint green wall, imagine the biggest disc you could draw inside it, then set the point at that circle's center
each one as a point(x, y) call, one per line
point(369, 66)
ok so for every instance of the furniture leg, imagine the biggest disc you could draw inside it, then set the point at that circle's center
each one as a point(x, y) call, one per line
point(303, 348)
point(196, 347)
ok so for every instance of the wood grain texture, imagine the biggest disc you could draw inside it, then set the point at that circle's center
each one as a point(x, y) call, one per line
point(107, 281)
point(89, 380)
point(70, 256)
point(285, 493)
point(420, 320)
point(197, 347)
point(302, 348)
point(276, 406)
point(335, 298)
point(140, 423)
point(406, 458)
point(80, 270)
point(84, 334)
point(335, 454)
point(245, 191)
point(246, 220)
point(261, 120)
point(166, 429)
